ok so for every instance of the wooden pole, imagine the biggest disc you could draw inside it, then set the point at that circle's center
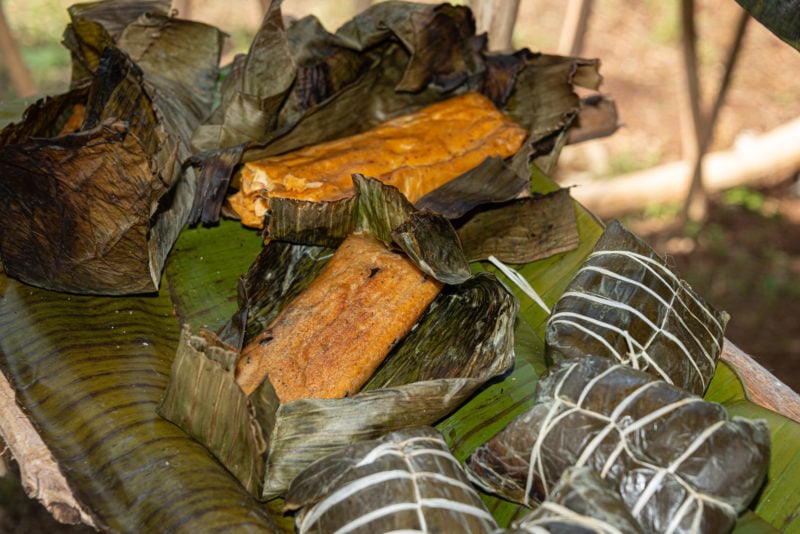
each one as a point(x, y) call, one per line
point(497, 18)
point(20, 76)
point(695, 204)
point(693, 122)
point(573, 30)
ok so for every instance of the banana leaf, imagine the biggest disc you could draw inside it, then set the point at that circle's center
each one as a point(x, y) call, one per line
point(144, 91)
point(405, 480)
point(680, 463)
point(78, 337)
point(781, 18)
point(466, 337)
point(581, 501)
point(626, 304)
point(89, 371)
point(385, 62)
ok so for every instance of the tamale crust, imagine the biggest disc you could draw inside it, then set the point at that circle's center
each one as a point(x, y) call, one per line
point(416, 153)
point(329, 340)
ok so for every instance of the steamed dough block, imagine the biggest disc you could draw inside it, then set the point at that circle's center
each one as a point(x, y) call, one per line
point(330, 339)
point(415, 153)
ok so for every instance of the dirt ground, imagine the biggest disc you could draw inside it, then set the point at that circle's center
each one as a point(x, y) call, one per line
point(745, 259)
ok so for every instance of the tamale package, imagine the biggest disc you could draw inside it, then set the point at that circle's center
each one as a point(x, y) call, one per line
point(580, 502)
point(406, 480)
point(680, 463)
point(463, 338)
point(626, 304)
point(300, 87)
point(92, 180)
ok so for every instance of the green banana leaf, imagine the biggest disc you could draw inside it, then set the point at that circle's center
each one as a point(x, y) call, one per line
point(781, 18)
point(89, 372)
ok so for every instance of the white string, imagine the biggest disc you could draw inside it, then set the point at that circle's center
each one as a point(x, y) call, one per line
point(520, 282)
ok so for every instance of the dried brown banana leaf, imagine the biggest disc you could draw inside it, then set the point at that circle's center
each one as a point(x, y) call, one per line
point(626, 304)
point(680, 463)
point(95, 208)
point(406, 480)
point(581, 502)
point(386, 62)
point(521, 231)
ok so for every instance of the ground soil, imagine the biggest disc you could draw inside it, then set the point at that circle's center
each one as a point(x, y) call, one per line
point(744, 259)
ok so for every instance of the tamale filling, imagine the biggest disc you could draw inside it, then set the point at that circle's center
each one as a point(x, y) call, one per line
point(330, 339)
point(416, 153)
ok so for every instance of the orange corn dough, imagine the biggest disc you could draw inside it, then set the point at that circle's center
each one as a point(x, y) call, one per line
point(415, 153)
point(330, 339)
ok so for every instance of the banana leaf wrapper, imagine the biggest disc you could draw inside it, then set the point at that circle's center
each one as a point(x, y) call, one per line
point(96, 208)
point(301, 85)
point(626, 304)
point(518, 231)
point(581, 502)
point(406, 480)
point(463, 339)
point(681, 464)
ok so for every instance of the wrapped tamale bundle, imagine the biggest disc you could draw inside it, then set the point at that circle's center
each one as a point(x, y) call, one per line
point(301, 86)
point(94, 190)
point(625, 303)
point(407, 480)
point(680, 463)
point(416, 153)
point(581, 502)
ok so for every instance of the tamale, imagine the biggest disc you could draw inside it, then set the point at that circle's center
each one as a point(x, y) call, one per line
point(330, 339)
point(416, 153)
point(581, 502)
point(407, 481)
point(680, 463)
point(625, 303)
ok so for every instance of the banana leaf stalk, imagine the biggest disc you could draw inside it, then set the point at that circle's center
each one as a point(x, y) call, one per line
point(626, 304)
point(464, 339)
point(680, 463)
point(302, 85)
point(407, 480)
point(93, 180)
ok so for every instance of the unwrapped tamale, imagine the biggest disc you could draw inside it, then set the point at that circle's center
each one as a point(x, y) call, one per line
point(680, 463)
point(626, 304)
point(416, 153)
point(406, 481)
point(330, 339)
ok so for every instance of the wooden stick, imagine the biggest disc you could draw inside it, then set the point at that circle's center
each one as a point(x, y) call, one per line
point(17, 70)
point(696, 201)
point(693, 122)
point(497, 18)
point(39, 472)
point(573, 30)
point(762, 387)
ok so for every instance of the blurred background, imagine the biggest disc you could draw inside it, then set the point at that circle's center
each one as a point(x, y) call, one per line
point(742, 254)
